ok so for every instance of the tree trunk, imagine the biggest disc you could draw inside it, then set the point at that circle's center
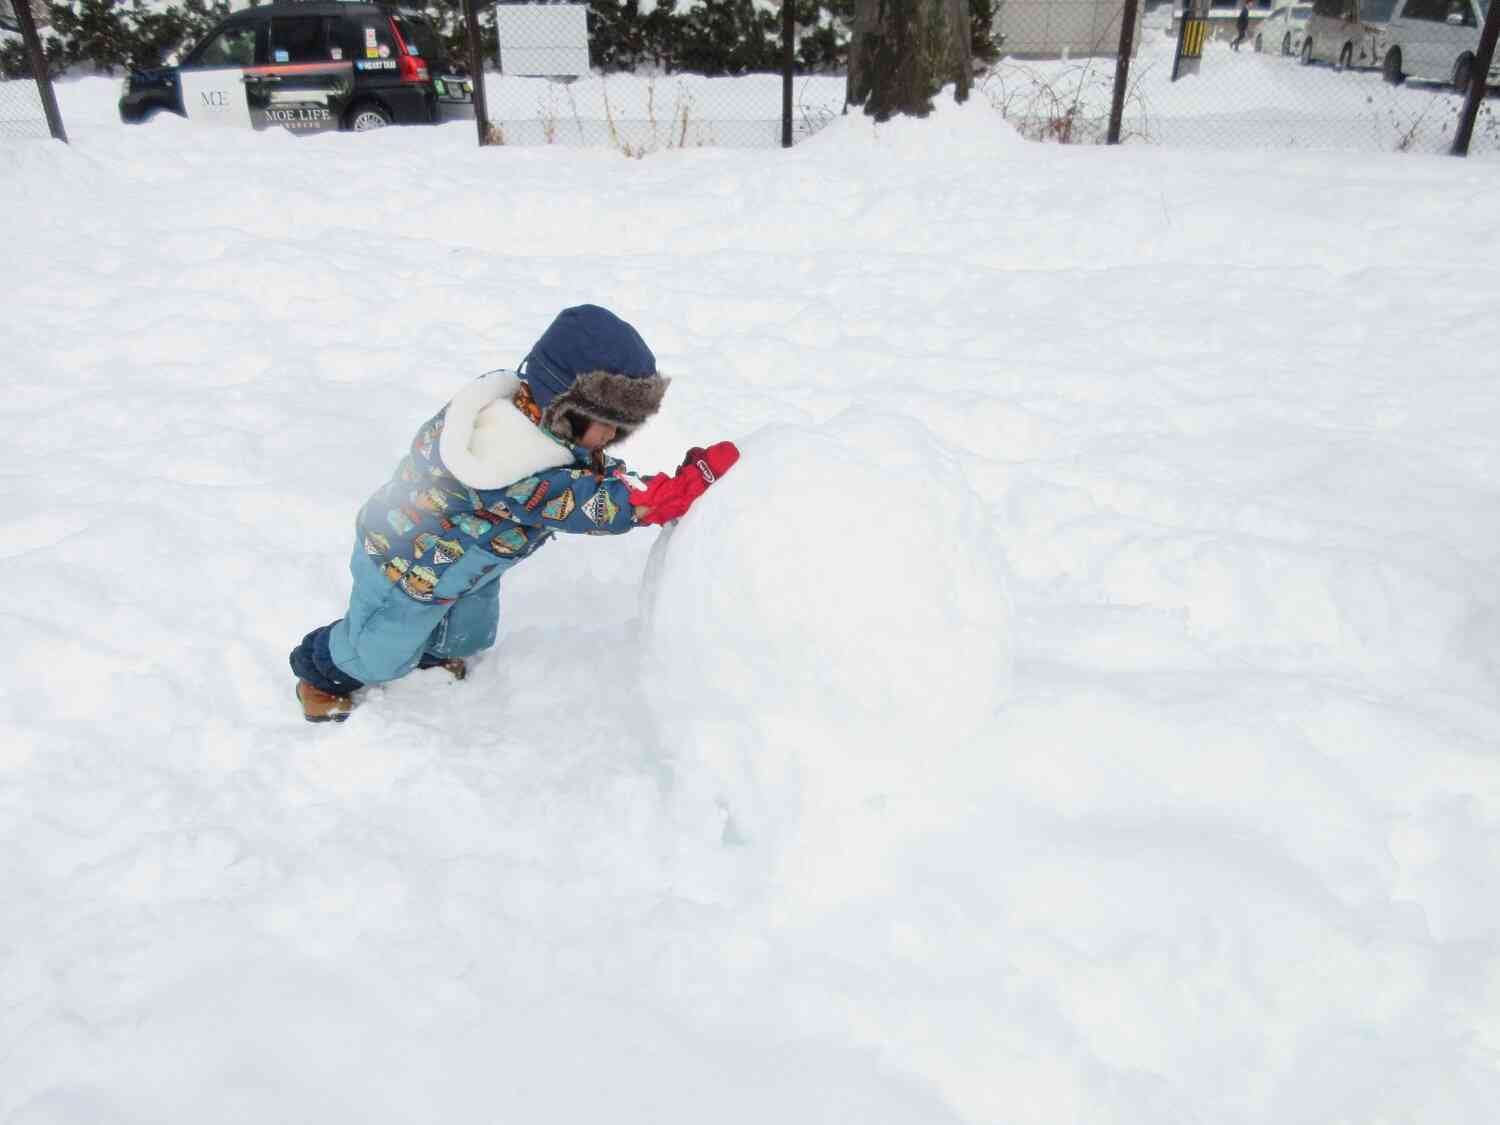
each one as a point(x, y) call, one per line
point(902, 52)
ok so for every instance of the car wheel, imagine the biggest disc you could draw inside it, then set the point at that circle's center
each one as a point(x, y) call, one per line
point(1307, 51)
point(1286, 43)
point(1346, 57)
point(1463, 71)
point(1391, 71)
point(367, 116)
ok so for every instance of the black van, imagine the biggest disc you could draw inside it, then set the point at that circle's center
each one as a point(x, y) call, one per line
point(307, 66)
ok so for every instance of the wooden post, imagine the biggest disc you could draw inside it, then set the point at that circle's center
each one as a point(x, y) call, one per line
point(39, 69)
point(476, 68)
point(1122, 70)
point(1479, 77)
point(788, 64)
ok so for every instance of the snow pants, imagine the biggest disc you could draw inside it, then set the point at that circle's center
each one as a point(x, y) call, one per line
point(385, 633)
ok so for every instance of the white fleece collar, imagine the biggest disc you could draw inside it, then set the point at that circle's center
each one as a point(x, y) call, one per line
point(487, 443)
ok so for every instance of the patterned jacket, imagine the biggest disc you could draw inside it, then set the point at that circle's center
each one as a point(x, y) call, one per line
point(483, 488)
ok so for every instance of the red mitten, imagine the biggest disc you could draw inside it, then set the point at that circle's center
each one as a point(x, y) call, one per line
point(669, 497)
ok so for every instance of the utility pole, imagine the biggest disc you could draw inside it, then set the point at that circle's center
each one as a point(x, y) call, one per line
point(1122, 70)
point(788, 63)
point(476, 68)
point(1479, 75)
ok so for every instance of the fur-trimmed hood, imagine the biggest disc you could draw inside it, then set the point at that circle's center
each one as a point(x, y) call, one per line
point(487, 443)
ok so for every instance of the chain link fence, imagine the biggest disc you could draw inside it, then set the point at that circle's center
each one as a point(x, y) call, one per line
point(21, 112)
point(1354, 75)
point(550, 90)
point(28, 106)
point(650, 112)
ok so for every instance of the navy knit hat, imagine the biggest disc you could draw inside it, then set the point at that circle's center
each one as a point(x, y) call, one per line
point(592, 363)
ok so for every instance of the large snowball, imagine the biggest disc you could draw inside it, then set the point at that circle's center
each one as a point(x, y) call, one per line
point(845, 573)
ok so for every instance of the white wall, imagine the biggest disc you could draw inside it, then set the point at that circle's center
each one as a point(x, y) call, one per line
point(1050, 28)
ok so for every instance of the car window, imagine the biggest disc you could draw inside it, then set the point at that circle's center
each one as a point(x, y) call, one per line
point(345, 39)
point(1461, 13)
point(1430, 10)
point(297, 39)
point(233, 45)
point(362, 38)
point(420, 38)
point(1377, 11)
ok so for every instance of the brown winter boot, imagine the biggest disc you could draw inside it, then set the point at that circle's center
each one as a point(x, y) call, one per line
point(321, 706)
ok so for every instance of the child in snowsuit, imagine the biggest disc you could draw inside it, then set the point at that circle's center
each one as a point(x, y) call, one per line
point(514, 458)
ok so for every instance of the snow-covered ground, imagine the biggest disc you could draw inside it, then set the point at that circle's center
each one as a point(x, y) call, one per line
point(1079, 705)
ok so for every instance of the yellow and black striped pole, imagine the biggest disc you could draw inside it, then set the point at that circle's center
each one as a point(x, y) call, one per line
point(1191, 34)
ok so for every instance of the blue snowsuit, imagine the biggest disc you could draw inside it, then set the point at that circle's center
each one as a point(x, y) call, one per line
point(483, 487)
point(430, 548)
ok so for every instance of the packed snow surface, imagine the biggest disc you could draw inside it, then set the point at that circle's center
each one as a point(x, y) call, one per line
point(1079, 705)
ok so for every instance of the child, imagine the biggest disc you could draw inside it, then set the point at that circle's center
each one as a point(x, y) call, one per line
point(515, 457)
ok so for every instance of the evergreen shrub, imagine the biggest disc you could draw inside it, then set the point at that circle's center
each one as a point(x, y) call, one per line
point(712, 37)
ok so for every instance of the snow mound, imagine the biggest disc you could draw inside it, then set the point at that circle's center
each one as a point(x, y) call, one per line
point(973, 131)
point(839, 592)
point(847, 566)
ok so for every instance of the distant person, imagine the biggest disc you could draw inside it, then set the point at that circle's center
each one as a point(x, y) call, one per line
point(514, 458)
point(1241, 25)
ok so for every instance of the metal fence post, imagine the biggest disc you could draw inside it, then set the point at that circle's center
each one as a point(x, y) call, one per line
point(39, 69)
point(476, 67)
point(1122, 71)
point(1182, 30)
point(788, 63)
point(1479, 77)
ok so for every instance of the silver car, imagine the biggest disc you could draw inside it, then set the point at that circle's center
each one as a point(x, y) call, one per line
point(1435, 40)
point(1284, 29)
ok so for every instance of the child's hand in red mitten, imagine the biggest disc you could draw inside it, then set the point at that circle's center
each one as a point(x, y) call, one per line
point(669, 497)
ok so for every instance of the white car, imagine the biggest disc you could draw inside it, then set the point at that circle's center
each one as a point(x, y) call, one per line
point(1283, 29)
point(1347, 33)
point(1435, 40)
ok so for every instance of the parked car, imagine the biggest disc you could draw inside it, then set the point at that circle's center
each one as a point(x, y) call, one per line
point(1283, 30)
point(1435, 40)
point(1347, 33)
point(308, 67)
